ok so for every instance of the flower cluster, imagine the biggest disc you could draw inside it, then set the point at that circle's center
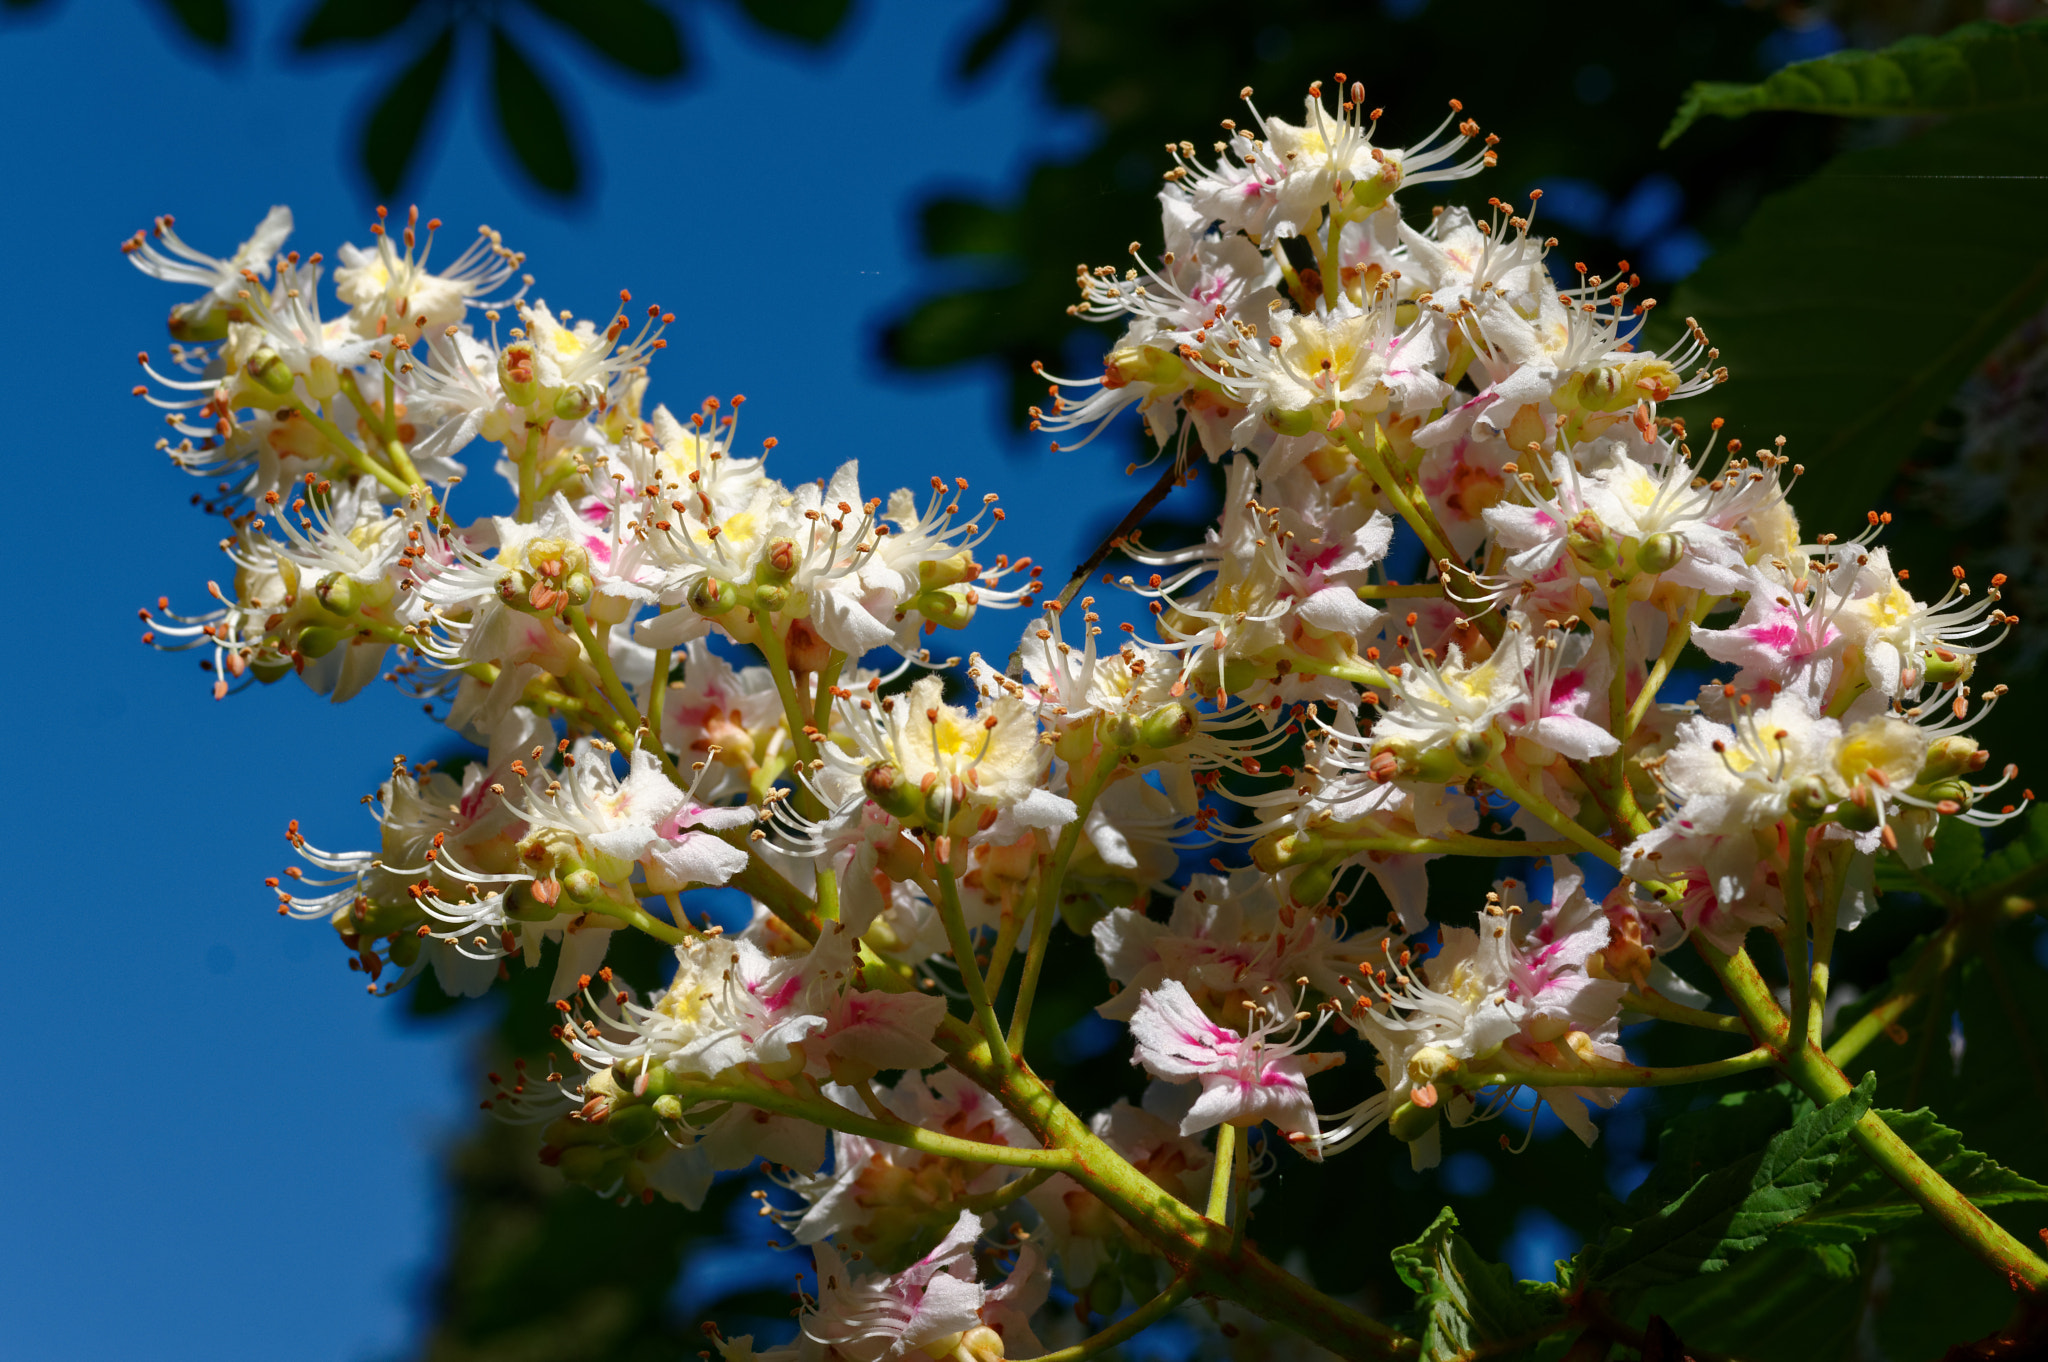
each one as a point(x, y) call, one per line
point(682, 673)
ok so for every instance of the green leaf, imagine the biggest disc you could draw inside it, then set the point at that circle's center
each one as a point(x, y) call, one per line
point(641, 37)
point(1828, 339)
point(392, 134)
point(1958, 855)
point(207, 21)
point(1732, 1208)
point(1469, 1305)
point(1862, 1201)
point(351, 21)
point(531, 119)
point(965, 227)
point(1977, 67)
point(810, 21)
point(2019, 863)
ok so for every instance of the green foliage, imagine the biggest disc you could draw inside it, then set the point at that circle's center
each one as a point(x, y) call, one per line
point(1953, 865)
point(633, 34)
point(1975, 68)
point(531, 118)
point(1742, 1197)
point(1827, 347)
point(392, 136)
point(1861, 1201)
point(2018, 864)
point(1468, 1306)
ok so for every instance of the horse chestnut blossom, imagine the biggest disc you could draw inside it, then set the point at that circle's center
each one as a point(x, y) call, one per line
point(1471, 535)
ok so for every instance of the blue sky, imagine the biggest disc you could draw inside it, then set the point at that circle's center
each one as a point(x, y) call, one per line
point(220, 1147)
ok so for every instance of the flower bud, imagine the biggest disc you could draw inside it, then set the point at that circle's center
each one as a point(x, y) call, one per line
point(516, 373)
point(1590, 542)
point(934, 573)
point(1411, 1121)
point(583, 887)
point(319, 642)
point(891, 792)
point(778, 563)
point(579, 588)
point(1168, 726)
point(668, 1107)
point(339, 593)
point(712, 598)
point(267, 369)
point(1295, 422)
point(948, 608)
point(1276, 853)
point(1952, 756)
point(1148, 364)
point(1313, 885)
point(1660, 553)
point(1943, 667)
point(573, 404)
point(1858, 812)
point(769, 599)
point(405, 949)
point(1810, 796)
point(628, 1126)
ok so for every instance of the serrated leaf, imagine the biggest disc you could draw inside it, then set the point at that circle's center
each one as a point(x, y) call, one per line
point(1820, 344)
point(391, 136)
point(351, 21)
point(531, 119)
point(639, 36)
point(1957, 856)
point(208, 21)
point(2017, 864)
point(1977, 67)
point(810, 21)
point(1732, 1208)
point(1862, 1201)
point(1468, 1305)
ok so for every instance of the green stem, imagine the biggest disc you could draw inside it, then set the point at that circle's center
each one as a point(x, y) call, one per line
point(657, 692)
point(962, 942)
point(1130, 1326)
point(1824, 917)
point(1543, 809)
point(387, 430)
point(1796, 972)
point(1674, 643)
point(1218, 1264)
point(528, 463)
point(1050, 886)
point(769, 641)
point(1219, 1176)
point(1941, 952)
point(1811, 1070)
point(1378, 463)
point(1651, 1004)
point(1395, 591)
point(1613, 1074)
point(1007, 1193)
point(615, 692)
point(835, 1117)
point(649, 923)
point(355, 452)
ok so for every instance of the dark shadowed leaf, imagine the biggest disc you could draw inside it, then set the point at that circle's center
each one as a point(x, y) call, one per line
point(964, 227)
point(208, 21)
point(1826, 338)
point(1978, 67)
point(351, 21)
point(1862, 1201)
point(1743, 1197)
point(634, 34)
point(531, 119)
point(1958, 855)
point(392, 134)
point(1469, 1306)
point(811, 21)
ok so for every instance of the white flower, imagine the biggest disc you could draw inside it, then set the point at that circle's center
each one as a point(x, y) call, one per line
point(162, 254)
point(1246, 1077)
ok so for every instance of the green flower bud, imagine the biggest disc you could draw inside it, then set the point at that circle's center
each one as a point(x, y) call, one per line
point(769, 599)
point(1660, 553)
point(712, 598)
point(516, 373)
point(933, 574)
point(579, 588)
point(269, 371)
point(590, 1165)
point(949, 608)
point(1295, 422)
point(669, 1107)
point(340, 593)
point(1810, 796)
point(1313, 885)
point(891, 792)
point(583, 887)
point(1590, 542)
point(1410, 1122)
point(628, 1126)
point(1952, 756)
point(318, 642)
point(1168, 726)
point(1945, 668)
point(405, 948)
point(778, 563)
point(573, 404)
